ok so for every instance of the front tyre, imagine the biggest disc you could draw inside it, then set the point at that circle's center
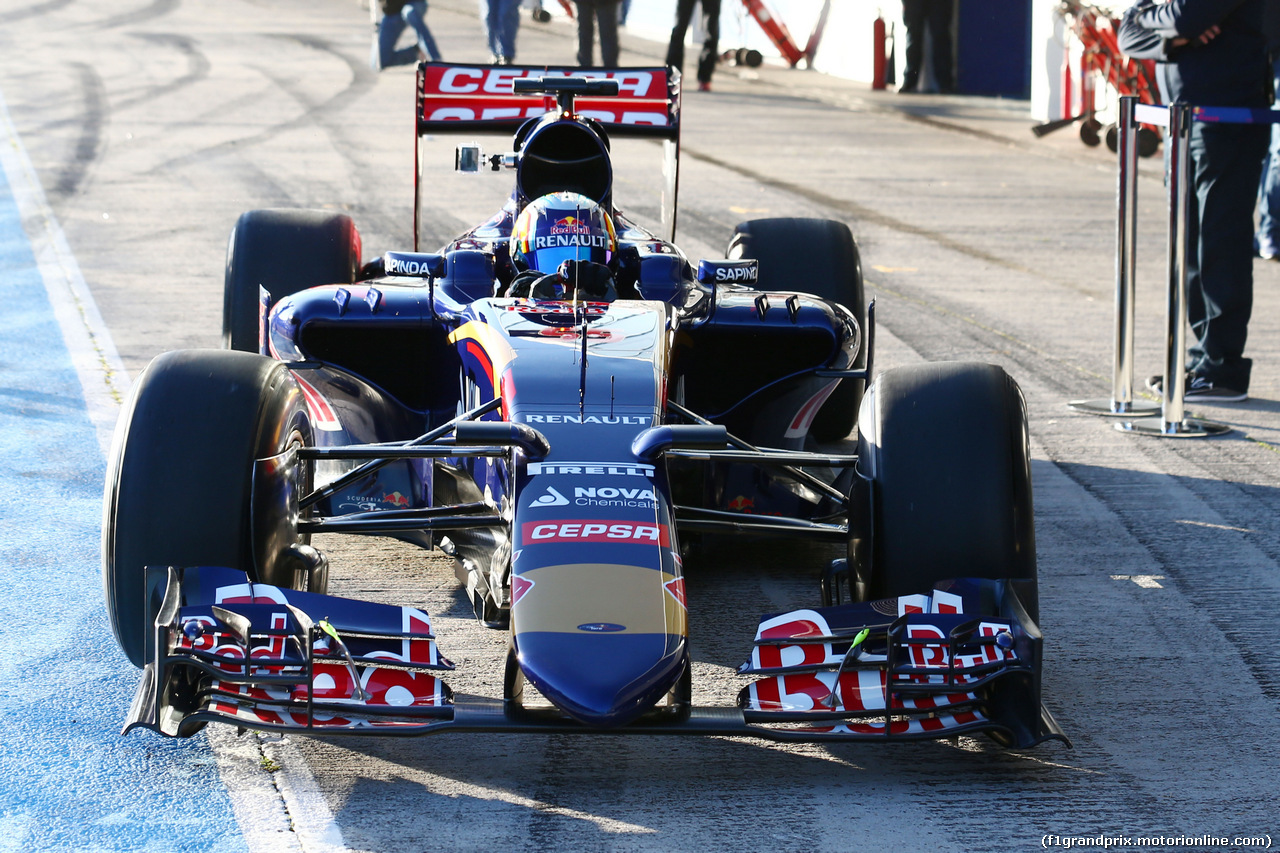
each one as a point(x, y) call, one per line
point(944, 482)
point(817, 256)
point(181, 488)
point(284, 251)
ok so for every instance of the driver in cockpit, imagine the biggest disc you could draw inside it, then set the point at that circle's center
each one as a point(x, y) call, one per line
point(564, 244)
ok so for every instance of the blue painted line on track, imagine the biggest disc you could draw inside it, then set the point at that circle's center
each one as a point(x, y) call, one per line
point(68, 780)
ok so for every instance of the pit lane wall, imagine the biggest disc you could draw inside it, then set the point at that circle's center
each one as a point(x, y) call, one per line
point(986, 31)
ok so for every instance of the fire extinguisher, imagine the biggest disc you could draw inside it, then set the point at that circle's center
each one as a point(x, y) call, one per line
point(878, 59)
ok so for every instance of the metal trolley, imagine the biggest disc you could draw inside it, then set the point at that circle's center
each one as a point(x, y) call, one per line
point(1101, 57)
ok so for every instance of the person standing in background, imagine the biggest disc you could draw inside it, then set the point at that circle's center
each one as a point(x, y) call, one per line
point(1267, 241)
point(934, 16)
point(604, 13)
point(396, 15)
point(1213, 53)
point(501, 20)
point(710, 47)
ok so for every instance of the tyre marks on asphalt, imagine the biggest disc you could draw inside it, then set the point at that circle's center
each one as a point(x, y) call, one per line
point(154, 9)
point(198, 66)
point(847, 209)
point(312, 113)
point(88, 145)
point(33, 10)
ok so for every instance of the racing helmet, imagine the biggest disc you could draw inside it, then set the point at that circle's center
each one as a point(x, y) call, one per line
point(561, 227)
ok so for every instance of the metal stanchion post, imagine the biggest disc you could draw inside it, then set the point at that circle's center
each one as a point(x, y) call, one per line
point(1121, 402)
point(1172, 422)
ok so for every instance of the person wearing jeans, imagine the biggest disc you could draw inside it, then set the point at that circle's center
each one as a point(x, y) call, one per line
point(710, 46)
point(934, 16)
point(1213, 53)
point(590, 13)
point(396, 15)
point(1267, 241)
point(501, 21)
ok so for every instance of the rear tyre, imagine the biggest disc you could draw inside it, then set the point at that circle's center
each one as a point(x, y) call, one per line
point(1148, 142)
point(945, 482)
point(180, 487)
point(284, 251)
point(817, 256)
point(1091, 132)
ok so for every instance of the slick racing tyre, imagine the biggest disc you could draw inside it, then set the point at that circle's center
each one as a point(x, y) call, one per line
point(284, 251)
point(181, 490)
point(816, 256)
point(944, 482)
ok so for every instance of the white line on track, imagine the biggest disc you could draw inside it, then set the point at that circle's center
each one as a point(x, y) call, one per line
point(280, 810)
point(93, 354)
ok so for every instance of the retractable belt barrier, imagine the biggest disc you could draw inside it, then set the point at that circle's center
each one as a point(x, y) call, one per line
point(1142, 418)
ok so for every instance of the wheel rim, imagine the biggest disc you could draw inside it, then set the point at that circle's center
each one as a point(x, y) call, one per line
point(279, 482)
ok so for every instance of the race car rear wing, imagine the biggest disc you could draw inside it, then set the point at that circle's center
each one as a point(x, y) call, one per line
point(455, 98)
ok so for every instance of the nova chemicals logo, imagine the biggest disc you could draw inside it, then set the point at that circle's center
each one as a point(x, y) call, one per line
point(620, 533)
point(550, 498)
point(639, 498)
point(610, 496)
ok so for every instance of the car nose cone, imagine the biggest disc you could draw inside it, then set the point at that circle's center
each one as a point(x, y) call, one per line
point(601, 679)
point(602, 642)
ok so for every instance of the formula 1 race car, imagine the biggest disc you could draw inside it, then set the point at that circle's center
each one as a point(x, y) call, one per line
point(562, 403)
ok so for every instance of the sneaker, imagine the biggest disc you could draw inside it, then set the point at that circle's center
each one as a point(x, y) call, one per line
point(1200, 390)
point(1203, 391)
point(704, 87)
point(1155, 384)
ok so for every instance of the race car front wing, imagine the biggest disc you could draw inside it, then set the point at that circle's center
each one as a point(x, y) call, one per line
point(265, 658)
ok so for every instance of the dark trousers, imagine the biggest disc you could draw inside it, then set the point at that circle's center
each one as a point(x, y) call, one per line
point(605, 14)
point(917, 15)
point(710, 48)
point(1226, 164)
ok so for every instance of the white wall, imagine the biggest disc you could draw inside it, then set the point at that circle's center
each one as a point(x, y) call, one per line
point(1046, 60)
point(846, 46)
point(846, 49)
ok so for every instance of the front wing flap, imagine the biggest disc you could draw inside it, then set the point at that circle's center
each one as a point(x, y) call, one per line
point(264, 657)
point(261, 657)
point(963, 658)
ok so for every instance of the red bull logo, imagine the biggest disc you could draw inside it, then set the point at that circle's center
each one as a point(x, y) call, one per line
point(395, 499)
point(570, 225)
